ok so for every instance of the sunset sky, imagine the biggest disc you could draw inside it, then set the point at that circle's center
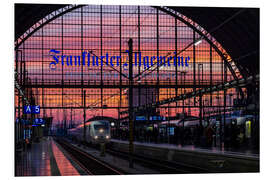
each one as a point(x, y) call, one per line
point(88, 37)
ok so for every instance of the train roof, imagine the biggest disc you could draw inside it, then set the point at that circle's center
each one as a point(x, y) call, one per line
point(98, 118)
point(87, 123)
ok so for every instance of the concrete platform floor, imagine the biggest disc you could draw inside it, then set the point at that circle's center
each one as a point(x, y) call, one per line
point(192, 148)
point(45, 158)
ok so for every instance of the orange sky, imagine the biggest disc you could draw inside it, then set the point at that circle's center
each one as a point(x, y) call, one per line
point(110, 45)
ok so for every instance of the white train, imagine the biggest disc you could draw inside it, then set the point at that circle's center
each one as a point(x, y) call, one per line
point(96, 132)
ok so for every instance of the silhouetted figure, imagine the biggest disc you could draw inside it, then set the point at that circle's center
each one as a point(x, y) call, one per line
point(209, 136)
point(155, 134)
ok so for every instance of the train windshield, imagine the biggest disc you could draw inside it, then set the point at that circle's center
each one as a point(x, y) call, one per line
point(101, 126)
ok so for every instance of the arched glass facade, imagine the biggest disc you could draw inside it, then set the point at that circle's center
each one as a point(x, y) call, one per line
point(101, 29)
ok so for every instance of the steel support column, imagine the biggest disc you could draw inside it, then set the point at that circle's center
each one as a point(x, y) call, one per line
point(130, 100)
point(194, 65)
point(84, 116)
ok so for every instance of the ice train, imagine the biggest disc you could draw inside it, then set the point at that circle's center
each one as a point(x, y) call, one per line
point(96, 132)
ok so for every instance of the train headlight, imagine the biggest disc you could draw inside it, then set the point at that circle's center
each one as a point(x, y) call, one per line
point(96, 137)
point(101, 130)
point(107, 137)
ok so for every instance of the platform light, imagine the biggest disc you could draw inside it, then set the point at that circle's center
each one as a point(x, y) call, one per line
point(198, 42)
point(96, 137)
point(107, 137)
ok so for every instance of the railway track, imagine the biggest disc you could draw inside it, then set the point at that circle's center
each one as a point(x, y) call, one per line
point(162, 166)
point(89, 163)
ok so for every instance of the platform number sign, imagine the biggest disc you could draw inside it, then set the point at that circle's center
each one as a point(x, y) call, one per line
point(39, 121)
point(31, 109)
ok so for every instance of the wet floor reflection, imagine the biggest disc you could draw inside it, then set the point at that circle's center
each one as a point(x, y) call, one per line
point(38, 160)
point(64, 165)
point(34, 161)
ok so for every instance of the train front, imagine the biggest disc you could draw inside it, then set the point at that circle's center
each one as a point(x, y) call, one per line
point(102, 131)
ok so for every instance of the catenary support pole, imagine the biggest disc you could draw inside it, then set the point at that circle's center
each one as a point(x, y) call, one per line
point(130, 100)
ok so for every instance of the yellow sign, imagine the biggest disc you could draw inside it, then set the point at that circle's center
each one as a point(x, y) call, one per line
point(248, 129)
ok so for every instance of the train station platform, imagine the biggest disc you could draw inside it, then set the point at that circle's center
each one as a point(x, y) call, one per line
point(45, 158)
point(213, 150)
point(214, 159)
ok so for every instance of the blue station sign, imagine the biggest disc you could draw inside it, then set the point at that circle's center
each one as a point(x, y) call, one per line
point(140, 118)
point(38, 121)
point(157, 118)
point(31, 109)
